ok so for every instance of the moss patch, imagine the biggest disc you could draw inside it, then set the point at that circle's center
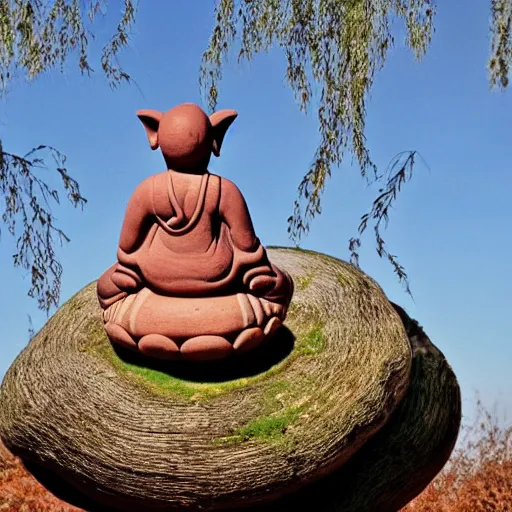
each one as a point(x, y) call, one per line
point(280, 405)
point(349, 279)
point(309, 342)
point(307, 324)
point(304, 281)
point(312, 342)
point(301, 314)
point(270, 428)
point(274, 421)
point(161, 382)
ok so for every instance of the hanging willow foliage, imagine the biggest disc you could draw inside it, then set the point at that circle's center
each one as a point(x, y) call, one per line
point(36, 37)
point(337, 46)
point(501, 47)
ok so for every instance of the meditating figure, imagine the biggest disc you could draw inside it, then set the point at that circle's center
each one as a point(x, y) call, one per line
point(192, 280)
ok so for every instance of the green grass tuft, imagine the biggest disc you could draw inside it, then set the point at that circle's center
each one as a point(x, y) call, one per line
point(282, 402)
point(272, 428)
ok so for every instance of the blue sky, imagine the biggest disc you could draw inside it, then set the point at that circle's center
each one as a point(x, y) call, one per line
point(450, 226)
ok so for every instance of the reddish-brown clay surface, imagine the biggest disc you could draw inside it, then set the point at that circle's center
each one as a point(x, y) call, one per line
point(192, 280)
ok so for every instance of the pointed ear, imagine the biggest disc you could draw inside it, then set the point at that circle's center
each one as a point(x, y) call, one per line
point(221, 121)
point(151, 120)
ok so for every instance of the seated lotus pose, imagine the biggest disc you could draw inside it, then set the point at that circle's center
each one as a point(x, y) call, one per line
point(192, 280)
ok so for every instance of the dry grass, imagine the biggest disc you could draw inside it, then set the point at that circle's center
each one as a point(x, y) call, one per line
point(20, 492)
point(478, 476)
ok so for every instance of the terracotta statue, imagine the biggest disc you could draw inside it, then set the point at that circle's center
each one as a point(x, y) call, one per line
point(192, 280)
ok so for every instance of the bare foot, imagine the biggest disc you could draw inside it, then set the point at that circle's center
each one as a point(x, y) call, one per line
point(159, 346)
point(273, 324)
point(206, 348)
point(248, 339)
point(120, 336)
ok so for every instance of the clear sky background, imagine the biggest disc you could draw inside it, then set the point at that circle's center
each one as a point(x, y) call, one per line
point(451, 226)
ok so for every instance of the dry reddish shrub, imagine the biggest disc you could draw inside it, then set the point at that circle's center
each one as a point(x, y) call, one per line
point(20, 492)
point(478, 476)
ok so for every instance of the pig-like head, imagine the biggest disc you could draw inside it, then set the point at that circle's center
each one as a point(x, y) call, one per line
point(186, 135)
